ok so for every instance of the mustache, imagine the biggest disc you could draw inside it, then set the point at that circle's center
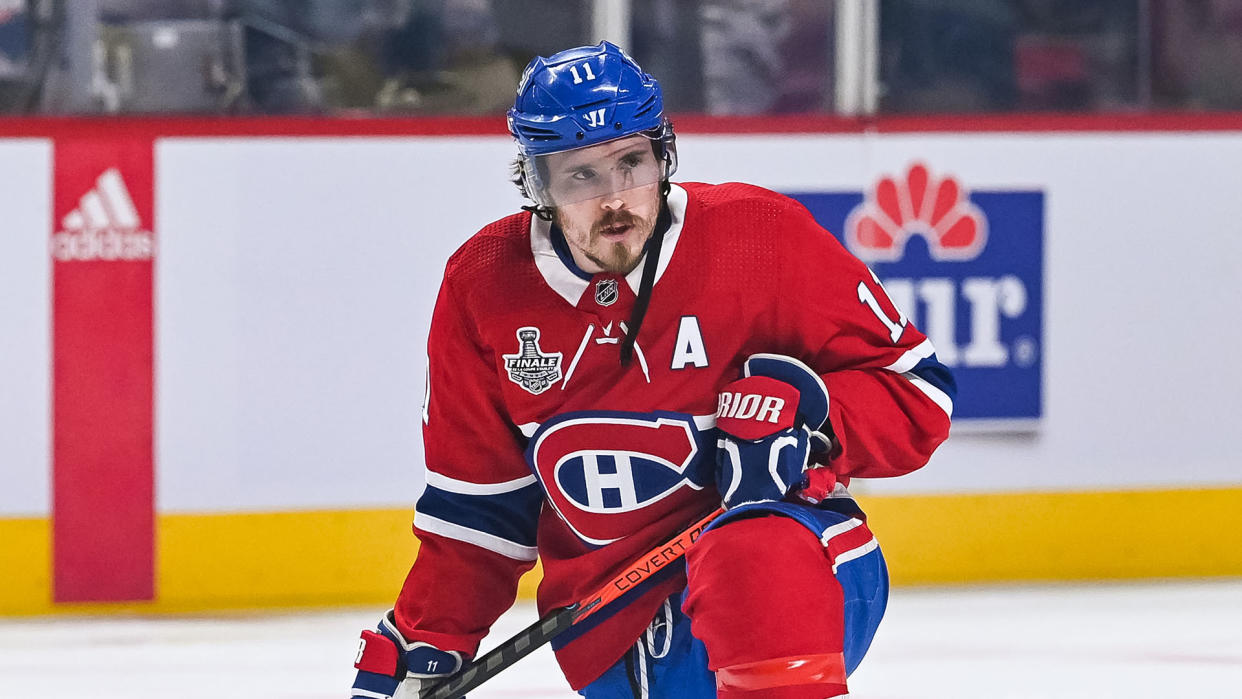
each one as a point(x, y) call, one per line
point(616, 218)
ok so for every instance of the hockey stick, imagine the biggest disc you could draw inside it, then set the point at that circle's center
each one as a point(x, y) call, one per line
point(544, 630)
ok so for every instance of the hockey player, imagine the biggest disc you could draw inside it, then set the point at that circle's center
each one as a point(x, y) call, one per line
point(624, 356)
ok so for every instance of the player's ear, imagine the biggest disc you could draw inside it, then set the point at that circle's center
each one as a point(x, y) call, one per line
point(518, 177)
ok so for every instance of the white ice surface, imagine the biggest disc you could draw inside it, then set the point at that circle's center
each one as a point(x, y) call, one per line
point(1157, 640)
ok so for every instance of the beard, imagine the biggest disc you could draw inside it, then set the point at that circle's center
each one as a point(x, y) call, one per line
point(622, 256)
point(616, 258)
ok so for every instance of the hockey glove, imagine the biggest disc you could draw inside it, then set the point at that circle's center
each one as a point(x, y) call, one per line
point(387, 661)
point(768, 426)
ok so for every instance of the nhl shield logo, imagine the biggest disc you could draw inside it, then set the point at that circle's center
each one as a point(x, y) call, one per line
point(531, 368)
point(606, 292)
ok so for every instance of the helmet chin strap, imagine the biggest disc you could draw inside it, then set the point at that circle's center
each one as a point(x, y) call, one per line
point(652, 260)
point(541, 212)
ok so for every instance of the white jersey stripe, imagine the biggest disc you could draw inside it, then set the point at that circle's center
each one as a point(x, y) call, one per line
point(577, 355)
point(912, 357)
point(453, 485)
point(491, 542)
point(839, 529)
point(857, 552)
point(937, 396)
point(638, 352)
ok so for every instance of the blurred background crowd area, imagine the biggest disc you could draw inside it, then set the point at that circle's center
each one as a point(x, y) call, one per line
point(464, 57)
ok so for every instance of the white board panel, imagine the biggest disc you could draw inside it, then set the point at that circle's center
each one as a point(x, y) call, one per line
point(296, 279)
point(25, 328)
point(296, 282)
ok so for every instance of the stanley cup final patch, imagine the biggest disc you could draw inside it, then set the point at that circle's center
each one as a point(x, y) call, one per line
point(531, 368)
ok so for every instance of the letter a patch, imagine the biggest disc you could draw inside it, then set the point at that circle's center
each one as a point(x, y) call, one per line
point(689, 350)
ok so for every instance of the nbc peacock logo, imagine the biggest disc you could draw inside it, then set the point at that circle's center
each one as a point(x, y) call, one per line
point(937, 209)
point(965, 266)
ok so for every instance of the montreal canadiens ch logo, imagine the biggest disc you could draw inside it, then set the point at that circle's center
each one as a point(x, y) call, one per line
point(895, 210)
point(607, 475)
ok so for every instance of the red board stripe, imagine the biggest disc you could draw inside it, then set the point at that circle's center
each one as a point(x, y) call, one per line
point(103, 529)
point(494, 125)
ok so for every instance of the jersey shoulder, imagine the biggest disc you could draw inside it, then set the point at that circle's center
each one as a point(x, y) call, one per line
point(494, 273)
point(759, 222)
point(728, 198)
point(748, 210)
point(498, 245)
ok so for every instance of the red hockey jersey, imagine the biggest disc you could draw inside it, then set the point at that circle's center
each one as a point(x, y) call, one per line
point(541, 443)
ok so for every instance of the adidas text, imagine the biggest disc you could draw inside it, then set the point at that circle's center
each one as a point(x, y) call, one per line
point(106, 244)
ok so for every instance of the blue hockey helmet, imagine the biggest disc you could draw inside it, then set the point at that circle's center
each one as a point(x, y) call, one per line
point(583, 97)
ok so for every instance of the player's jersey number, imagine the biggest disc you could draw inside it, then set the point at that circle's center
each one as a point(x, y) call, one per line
point(868, 297)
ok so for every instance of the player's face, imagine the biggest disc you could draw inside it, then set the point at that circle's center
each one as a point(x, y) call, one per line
point(613, 191)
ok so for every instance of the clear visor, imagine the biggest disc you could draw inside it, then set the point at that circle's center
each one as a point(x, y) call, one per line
point(610, 168)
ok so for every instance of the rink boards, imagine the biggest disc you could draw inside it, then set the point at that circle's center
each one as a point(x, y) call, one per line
point(213, 370)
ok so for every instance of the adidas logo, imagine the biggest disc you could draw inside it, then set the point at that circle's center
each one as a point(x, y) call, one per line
point(105, 226)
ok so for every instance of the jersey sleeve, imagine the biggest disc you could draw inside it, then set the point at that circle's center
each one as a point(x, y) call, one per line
point(891, 398)
point(477, 519)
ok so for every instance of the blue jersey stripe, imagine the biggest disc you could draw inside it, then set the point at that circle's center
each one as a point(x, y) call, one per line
point(933, 372)
point(512, 516)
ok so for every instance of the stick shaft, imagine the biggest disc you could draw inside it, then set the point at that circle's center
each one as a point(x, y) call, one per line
point(490, 664)
point(554, 623)
point(644, 568)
